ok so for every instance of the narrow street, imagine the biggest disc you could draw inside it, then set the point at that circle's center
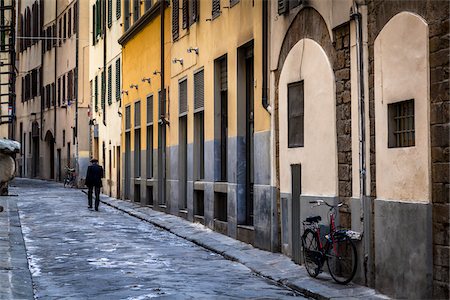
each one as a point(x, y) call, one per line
point(77, 253)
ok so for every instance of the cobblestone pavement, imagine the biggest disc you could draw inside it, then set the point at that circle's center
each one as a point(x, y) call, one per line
point(77, 253)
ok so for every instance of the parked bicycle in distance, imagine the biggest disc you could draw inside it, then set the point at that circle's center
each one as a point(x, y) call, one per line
point(338, 251)
point(70, 178)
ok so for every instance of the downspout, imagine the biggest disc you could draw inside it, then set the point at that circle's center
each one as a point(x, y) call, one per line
point(56, 75)
point(265, 21)
point(356, 16)
point(163, 108)
point(41, 76)
point(77, 47)
point(104, 64)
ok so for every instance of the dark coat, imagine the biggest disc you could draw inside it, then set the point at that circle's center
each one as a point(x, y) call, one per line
point(94, 175)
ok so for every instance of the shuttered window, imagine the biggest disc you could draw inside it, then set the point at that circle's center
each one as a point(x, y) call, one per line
point(94, 32)
point(95, 92)
point(127, 117)
point(233, 2)
point(175, 19)
point(223, 75)
point(283, 7)
point(118, 91)
point(215, 8)
point(199, 90)
point(185, 14)
point(195, 10)
point(70, 85)
point(69, 21)
point(182, 92)
point(109, 85)
point(136, 10)
point(137, 114)
point(296, 114)
point(109, 13)
point(148, 4)
point(103, 89)
point(75, 17)
point(150, 109)
point(118, 9)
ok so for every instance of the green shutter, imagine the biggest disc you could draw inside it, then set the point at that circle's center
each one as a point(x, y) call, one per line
point(109, 85)
point(109, 13)
point(96, 93)
point(103, 89)
point(118, 91)
point(118, 9)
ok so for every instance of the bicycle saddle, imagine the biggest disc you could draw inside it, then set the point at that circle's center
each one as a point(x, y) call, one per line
point(315, 219)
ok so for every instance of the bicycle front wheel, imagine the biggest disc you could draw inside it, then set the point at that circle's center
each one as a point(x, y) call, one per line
point(311, 253)
point(342, 259)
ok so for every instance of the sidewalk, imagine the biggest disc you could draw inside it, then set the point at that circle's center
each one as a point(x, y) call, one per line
point(15, 277)
point(273, 266)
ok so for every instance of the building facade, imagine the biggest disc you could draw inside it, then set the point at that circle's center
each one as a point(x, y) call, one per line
point(52, 88)
point(105, 66)
point(360, 117)
point(146, 69)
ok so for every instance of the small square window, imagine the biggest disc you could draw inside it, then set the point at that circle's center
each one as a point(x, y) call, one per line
point(401, 129)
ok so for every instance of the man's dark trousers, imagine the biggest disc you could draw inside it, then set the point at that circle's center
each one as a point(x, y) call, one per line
point(97, 196)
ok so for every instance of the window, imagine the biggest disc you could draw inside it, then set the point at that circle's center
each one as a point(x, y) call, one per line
point(185, 14)
point(296, 114)
point(199, 126)
point(215, 8)
point(118, 9)
point(150, 136)
point(96, 92)
point(148, 4)
point(103, 74)
point(54, 42)
point(64, 27)
point(182, 94)
point(75, 17)
point(401, 130)
point(94, 28)
point(175, 19)
point(53, 88)
point(137, 114)
point(70, 86)
point(233, 2)
point(59, 91)
point(109, 13)
point(118, 91)
point(126, 14)
point(64, 89)
point(64, 137)
point(285, 5)
point(109, 85)
point(69, 23)
point(128, 117)
point(150, 109)
point(136, 10)
point(60, 32)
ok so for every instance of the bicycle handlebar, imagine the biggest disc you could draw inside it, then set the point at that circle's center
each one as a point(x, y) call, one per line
point(320, 201)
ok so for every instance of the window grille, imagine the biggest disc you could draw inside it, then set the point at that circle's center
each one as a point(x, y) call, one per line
point(296, 114)
point(401, 124)
point(182, 92)
point(199, 90)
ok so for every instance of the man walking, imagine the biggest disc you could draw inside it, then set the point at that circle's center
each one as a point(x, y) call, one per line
point(94, 177)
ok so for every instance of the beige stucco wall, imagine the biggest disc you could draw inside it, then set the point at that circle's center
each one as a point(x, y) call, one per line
point(402, 73)
point(110, 131)
point(307, 61)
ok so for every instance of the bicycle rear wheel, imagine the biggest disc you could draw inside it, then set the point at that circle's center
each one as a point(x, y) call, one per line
point(311, 253)
point(342, 259)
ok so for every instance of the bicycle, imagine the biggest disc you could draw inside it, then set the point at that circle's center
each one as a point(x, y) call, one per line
point(339, 251)
point(70, 179)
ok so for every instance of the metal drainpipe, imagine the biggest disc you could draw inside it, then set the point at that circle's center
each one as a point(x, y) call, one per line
point(265, 10)
point(104, 65)
point(163, 107)
point(41, 76)
point(356, 16)
point(75, 84)
point(56, 75)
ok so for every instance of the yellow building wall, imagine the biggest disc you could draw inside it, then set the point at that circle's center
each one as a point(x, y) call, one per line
point(234, 28)
point(141, 57)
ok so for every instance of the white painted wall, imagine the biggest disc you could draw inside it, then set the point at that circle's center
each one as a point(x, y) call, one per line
point(308, 61)
point(402, 73)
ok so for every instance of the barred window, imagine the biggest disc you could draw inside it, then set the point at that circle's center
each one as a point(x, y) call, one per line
point(401, 129)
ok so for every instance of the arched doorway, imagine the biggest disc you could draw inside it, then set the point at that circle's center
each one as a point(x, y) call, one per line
point(50, 147)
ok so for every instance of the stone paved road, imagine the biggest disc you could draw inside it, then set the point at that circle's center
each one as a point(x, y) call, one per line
point(78, 253)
